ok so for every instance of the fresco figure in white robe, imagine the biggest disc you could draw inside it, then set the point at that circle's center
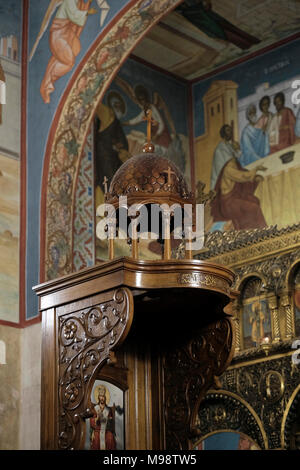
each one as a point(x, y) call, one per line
point(254, 141)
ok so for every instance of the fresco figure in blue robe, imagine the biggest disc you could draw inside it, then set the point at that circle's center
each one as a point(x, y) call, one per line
point(234, 186)
point(254, 141)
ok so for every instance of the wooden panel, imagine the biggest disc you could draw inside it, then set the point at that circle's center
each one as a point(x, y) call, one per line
point(139, 402)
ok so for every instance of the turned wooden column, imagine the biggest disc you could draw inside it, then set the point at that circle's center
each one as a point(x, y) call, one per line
point(273, 305)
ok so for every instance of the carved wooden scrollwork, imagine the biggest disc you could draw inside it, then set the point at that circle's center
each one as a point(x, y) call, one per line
point(291, 430)
point(221, 410)
point(269, 387)
point(85, 340)
point(189, 372)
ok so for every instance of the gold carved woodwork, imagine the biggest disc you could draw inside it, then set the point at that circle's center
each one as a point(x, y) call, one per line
point(258, 395)
point(203, 280)
point(265, 376)
point(285, 303)
point(238, 248)
point(271, 386)
point(234, 310)
point(269, 254)
point(273, 305)
point(238, 334)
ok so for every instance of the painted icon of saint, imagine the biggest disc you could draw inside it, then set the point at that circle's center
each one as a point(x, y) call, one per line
point(103, 422)
point(257, 320)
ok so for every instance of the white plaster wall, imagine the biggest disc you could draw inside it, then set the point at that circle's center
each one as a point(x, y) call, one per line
point(30, 396)
point(2, 352)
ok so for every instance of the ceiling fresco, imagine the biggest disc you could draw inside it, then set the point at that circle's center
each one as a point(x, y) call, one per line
point(200, 36)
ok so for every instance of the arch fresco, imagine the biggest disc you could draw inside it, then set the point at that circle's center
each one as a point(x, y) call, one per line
point(72, 123)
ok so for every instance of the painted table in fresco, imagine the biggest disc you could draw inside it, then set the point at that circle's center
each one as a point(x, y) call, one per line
point(279, 192)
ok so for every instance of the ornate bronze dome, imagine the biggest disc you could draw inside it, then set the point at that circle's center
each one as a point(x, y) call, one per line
point(149, 177)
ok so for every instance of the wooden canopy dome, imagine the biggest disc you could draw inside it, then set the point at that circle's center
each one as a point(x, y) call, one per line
point(149, 177)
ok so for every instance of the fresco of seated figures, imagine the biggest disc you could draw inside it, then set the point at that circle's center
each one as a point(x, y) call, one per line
point(247, 127)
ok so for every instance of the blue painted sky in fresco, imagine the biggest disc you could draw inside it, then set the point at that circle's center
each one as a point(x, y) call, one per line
point(10, 18)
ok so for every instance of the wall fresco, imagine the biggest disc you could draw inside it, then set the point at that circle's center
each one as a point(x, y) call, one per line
point(247, 145)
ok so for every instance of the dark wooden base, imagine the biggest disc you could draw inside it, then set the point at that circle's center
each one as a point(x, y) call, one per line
point(178, 340)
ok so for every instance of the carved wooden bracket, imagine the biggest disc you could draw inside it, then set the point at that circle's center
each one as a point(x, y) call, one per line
point(189, 372)
point(85, 339)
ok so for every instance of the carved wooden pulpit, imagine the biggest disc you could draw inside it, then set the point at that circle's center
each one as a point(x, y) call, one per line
point(156, 328)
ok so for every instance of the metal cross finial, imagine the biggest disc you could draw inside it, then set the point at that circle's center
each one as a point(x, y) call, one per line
point(169, 172)
point(150, 121)
point(149, 147)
